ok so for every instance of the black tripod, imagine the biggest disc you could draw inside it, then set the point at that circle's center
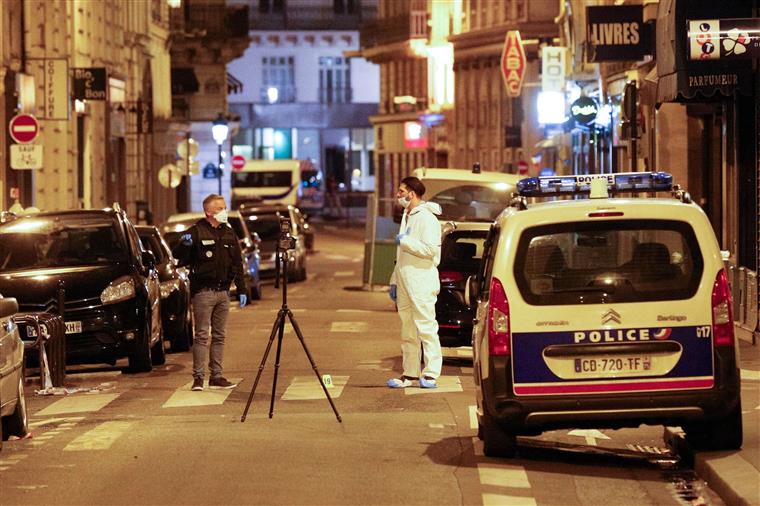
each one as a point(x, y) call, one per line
point(279, 328)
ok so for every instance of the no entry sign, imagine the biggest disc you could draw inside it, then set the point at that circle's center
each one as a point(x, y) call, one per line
point(238, 162)
point(24, 128)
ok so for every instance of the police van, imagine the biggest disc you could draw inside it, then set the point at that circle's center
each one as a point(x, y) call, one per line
point(607, 311)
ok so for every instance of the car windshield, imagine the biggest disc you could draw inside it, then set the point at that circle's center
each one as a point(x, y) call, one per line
point(151, 242)
point(608, 261)
point(470, 202)
point(267, 225)
point(59, 241)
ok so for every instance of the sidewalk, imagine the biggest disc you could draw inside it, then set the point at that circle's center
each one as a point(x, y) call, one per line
point(733, 475)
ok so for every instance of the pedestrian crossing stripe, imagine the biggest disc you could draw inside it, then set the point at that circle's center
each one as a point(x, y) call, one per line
point(185, 397)
point(349, 327)
point(304, 388)
point(446, 384)
point(101, 437)
point(78, 404)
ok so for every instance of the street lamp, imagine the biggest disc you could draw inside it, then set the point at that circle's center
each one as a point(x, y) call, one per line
point(219, 130)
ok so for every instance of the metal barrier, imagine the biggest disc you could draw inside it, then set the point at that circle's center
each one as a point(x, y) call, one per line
point(744, 291)
point(46, 333)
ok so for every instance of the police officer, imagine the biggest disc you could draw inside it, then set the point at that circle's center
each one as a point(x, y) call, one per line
point(210, 248)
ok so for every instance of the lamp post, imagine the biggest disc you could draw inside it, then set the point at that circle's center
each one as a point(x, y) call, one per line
point(219, 130)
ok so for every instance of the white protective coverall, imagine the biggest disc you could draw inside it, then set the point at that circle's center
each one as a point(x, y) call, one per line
point(417, 287)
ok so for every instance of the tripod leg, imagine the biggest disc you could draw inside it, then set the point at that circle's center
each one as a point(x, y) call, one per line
point(313, 365)
point(277, 324)
point(281, 319)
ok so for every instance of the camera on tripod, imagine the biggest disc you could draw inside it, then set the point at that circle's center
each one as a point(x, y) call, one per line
point(286, 241)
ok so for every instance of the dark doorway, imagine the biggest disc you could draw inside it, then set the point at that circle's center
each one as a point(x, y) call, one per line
point(335, 163)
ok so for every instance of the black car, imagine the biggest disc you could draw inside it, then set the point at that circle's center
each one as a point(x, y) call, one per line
point(249, 241)
point(90, 267)
point(264, 220)
point(461, 251)
point(176, 308)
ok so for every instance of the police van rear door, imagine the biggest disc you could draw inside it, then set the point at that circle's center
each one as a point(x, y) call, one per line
point(610, 305)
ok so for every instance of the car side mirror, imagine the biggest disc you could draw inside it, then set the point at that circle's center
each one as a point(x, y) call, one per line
point(149, 259)
point(8, 307)
point(471, 291)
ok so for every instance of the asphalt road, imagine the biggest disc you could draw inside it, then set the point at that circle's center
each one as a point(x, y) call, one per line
point(147, 439)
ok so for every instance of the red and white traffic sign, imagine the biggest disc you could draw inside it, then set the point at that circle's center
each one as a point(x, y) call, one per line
point(238, 162)
point(24, 128)
point(522, 167)
point(513, 63)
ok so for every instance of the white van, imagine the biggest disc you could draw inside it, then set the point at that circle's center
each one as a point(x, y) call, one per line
point(266, 182)
point(604, 312)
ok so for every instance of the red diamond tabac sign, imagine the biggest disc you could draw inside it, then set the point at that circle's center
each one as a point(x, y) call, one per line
point(513, 63)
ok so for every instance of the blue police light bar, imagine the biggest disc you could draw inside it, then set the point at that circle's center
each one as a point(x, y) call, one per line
point(631, 182)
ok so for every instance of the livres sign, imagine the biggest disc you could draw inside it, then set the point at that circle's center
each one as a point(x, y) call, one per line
point(616, 33)
point(90, 83)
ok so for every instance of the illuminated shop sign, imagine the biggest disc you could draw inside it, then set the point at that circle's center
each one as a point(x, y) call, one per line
point(513, 63)
point(414, 135)
point(584, 110)
point(616, 33)
point(716, 39)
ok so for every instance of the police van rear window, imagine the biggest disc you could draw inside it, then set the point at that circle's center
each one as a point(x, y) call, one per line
point(608, 261)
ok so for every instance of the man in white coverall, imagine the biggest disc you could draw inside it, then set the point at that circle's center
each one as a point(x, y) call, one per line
point(415, 285)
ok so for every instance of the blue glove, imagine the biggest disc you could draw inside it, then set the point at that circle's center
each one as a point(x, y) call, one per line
point(399, 237)
point(243, 300)
point(392, 293)
point(187, 239)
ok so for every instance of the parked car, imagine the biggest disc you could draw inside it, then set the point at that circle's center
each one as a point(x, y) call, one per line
point(604, 312)
point(250, 245)
point(461, 251)
point(176, 307)
point(264, 221)
point(12, 401)
point(90, 267)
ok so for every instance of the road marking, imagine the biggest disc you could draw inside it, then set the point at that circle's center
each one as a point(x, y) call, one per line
point(372, 365)
point(349, 327)
point(69, 421)
point(466, 370)
point(6, 463)
point(446, 384)
point(435, 425)
point(503, 475)
point(354, 311)
point(183, 397)
point(304, 388)
point(338, 257)
point(591, 435)
point(343, 274)
point(473, 411)
point(99, 438)
point(78, 404)
point(507, 500)
point(748, 375)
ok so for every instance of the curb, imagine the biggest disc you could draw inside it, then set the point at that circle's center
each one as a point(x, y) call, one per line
point(734, 479)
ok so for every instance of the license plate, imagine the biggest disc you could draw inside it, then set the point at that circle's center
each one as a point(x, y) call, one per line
point(613, 365)
point(31, 331)
point(73, 327)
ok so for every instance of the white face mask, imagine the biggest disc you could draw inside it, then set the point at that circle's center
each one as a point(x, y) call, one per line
point(404, 202)
point(221, 216)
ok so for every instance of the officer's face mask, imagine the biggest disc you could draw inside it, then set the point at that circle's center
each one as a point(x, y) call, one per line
point(221, 216)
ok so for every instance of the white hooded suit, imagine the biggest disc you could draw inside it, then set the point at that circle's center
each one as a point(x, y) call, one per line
point(417, 287)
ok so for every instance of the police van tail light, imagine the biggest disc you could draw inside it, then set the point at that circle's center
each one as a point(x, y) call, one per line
point(498, 320)
point(722, 311)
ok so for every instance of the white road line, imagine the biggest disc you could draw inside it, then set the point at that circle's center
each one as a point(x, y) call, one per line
point(446, 384)
point(99, 438)
point(466, 370)
point(308, 387)
point(503, 475)
point(354, 311)
point(349, 327)
point(507, 500)
point(473, 411)
point(183, 397)
point(343, 274)
point(748, 375)
point(337, 257)
point(78, 404)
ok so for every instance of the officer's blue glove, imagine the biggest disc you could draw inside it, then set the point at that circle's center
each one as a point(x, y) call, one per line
point(186, 239)
point(243, 300)
point(399, 237)
point(392, 293)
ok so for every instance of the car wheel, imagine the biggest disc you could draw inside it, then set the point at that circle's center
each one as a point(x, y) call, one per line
point(140, 359)
point(17, 423)
point(184, 338)
point(496, 441)
point(724, 434)
point(158, 353)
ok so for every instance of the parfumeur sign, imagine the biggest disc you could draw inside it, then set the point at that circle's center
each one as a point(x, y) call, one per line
point(616, 33)
point(513, 63)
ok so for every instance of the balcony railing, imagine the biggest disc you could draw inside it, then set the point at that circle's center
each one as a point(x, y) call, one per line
point(412, 25)
point(285, 94)
point(338, 95)
point(213, 20)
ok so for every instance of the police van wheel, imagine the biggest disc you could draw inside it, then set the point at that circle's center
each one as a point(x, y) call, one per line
point(724, 434)
point(497, 442)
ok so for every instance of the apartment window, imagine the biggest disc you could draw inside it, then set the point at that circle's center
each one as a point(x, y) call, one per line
point(344, 6)
point(334, 80)
point(267, 6)
point(278, 79)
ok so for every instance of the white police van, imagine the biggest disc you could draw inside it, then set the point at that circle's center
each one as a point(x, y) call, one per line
point(603, 312)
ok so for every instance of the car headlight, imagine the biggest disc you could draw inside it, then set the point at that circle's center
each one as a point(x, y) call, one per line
point(119, 290)
point(167, 287)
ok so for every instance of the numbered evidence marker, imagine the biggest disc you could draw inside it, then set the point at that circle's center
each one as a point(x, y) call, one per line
point(327, 380)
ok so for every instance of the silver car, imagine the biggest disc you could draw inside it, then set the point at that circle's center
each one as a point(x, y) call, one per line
point(12, 402)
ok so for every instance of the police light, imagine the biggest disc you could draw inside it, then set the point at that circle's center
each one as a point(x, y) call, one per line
point(631, 182)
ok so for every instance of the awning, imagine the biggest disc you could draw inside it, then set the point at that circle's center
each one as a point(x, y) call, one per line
point(184, 81)
point(234, 85)
point(682, 80)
